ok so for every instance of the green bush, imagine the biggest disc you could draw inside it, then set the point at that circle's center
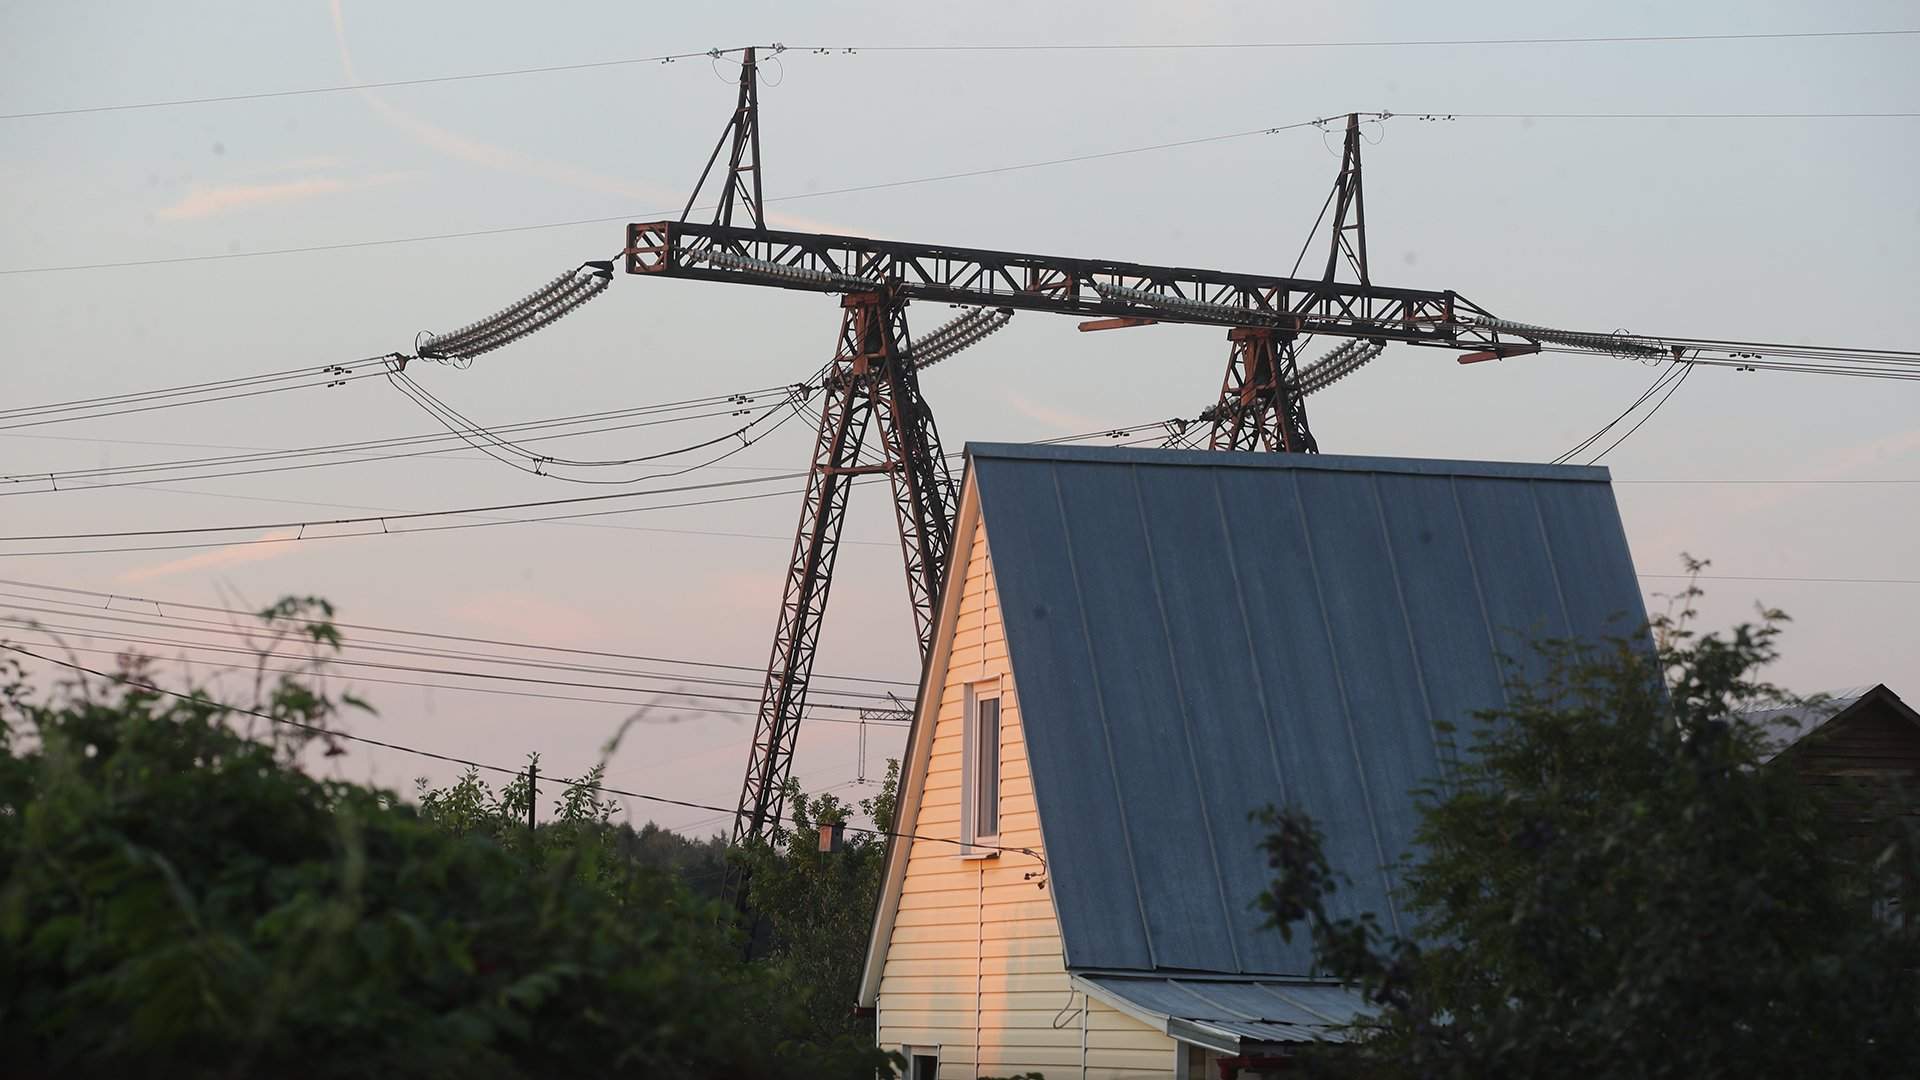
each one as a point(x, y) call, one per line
point(178, 898)
point(1614, 884)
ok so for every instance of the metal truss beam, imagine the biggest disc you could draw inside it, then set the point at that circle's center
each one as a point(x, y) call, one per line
point(818, 262)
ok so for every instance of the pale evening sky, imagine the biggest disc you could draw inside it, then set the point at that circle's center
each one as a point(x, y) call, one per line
point(1782, 229)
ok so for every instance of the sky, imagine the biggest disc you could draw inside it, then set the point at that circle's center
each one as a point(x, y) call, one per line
point(1776, 229)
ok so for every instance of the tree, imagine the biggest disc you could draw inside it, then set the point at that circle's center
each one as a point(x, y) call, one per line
point(820, 905)
point(177, 897)
point(1612, 884)
point(576, 818)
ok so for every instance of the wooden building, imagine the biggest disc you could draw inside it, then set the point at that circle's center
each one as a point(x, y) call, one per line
point(1135, 650)
point(1858, 748)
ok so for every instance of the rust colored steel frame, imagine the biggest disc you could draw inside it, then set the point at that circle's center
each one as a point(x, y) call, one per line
point(1349, 237)
point(1259, 408)
point(817, 262)
point(743, 163)
point(869, 389)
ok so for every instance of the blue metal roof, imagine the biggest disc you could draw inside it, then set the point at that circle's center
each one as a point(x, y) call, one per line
point(1227, 1013)
point(1194, 635)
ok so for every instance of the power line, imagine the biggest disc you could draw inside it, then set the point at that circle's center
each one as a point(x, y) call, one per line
point(227, 651)
point(665, 58)
point(1445, 116)
point(1666, 373)
point(656, 214)
point(361, 452)
point(255, 649)
point(414, 515)
point(171, 391)
point(860, 188)
point(1162, 46)
point(493, 691)
point(777, 49)
point(444, 442)
point(384, 520)
point(1685, 372)
point(245, 387)
point(1799, 580)
point(768, 469)
point(1814, 480)
point(561, 522)
point(465, 429)
point(328, 733)
point(157, 604)
point(482, 523)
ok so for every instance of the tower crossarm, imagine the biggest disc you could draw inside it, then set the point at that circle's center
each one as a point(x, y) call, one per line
point(821, 262)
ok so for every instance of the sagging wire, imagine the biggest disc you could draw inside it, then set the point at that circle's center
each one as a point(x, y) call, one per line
point(1669, 378)
point(363, 451)
point(480, 438)
point(1686, 371)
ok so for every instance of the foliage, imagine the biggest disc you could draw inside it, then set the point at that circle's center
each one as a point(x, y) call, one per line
point(1611, 884)
point(179, 898)
point(819, 905)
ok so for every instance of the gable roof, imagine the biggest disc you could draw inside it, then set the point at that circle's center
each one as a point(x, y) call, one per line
point(1789, 725)
point(1194, 635)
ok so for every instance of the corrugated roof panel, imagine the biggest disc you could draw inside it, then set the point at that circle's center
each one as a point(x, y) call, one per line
point(1252, 1012)
point(1196, 635)
point(1590, 552)
point(1521, 586)
point(1187, 529)
point(1431, 562)
point(1319, 762)
point(1167, 824)
point(1040, 581)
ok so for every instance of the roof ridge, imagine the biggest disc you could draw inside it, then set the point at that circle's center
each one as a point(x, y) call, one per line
point(1245, 459)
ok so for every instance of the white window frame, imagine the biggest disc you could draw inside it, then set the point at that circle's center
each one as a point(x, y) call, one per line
point(972, 788)
point(911, 1052)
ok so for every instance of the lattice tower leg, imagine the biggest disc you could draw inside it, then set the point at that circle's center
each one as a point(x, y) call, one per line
point(868, 386)
point(1259, 408)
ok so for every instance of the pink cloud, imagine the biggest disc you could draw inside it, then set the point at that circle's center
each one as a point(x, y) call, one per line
point(207, 201)
point(1066, 421)
point(267, 547)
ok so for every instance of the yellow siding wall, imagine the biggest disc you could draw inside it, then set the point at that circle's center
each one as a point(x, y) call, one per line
point(975, 964)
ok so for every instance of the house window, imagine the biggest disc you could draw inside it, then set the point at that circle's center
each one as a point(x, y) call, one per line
point(923, 1062)
point(980, 816)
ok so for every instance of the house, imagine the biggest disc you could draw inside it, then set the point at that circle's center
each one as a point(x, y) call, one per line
point(1857, 747)
point(1135, 649)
